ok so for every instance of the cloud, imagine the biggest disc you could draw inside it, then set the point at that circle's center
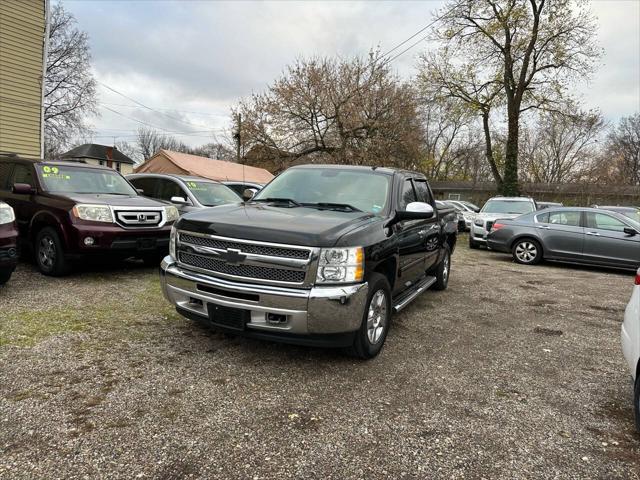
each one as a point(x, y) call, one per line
point(202, 56)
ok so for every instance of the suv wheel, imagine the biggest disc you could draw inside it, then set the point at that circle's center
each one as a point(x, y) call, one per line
point(527, 251)
point(49, 253)
point(636, 402)
point(442, 271)
point(373, 330)
point(5, 275)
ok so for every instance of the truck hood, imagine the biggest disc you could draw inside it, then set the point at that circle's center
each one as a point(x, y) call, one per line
point(267, 223)
point(113, 200)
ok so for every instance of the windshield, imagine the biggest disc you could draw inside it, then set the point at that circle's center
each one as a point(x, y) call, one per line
point(632, 214)
point(212, 194)
point(514, 207)
point(364, 190)
point(65, 179)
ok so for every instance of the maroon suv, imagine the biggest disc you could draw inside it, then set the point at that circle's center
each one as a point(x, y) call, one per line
point(69, 211)
point(8, 243)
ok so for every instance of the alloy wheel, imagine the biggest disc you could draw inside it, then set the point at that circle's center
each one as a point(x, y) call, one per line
point(47, 252)
point(445, 269)
point(377, 317)
point(526, 252)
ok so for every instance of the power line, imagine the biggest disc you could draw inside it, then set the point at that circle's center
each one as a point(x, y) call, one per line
point(143, 123)
point(167, 109)
point(147, 107)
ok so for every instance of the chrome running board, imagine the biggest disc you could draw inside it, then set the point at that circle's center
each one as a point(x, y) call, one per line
point(407, 297)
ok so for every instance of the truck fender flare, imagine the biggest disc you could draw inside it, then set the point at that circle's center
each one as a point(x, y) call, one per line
point(46, 218)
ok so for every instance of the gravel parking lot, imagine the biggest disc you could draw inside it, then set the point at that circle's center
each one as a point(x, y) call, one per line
point(513, 372)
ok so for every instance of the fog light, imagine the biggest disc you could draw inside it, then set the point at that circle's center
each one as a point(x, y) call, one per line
point(276, 318)
point(12, 253)
point(88, 241)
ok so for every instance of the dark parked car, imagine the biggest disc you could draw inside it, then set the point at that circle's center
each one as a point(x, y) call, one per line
point(321, 256)
point(68, 211)
point(185, 192)
point(241, 188)
point(577, 235)
point(632, 212)
point(8, 243)
point(460, 213)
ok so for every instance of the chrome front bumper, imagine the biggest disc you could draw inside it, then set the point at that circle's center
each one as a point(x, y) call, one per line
point(319, 310)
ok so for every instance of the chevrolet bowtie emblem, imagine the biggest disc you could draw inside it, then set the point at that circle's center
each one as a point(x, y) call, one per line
point(232, 256)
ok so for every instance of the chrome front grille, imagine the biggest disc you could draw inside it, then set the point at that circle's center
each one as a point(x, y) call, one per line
point(138, 218)
point(248, 271)
point(258, 249)
point(249, 260)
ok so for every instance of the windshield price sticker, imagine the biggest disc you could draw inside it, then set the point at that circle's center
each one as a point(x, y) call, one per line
point(54, 172)
point(195, 187)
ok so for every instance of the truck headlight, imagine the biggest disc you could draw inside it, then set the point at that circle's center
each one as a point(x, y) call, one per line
point(93, 213)
point(172, 243)
point(171, 213)
point(341, 265)
point(6, 214)
point(479, 223)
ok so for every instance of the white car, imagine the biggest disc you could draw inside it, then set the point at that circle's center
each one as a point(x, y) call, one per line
point(497, 208)
point(631, 344)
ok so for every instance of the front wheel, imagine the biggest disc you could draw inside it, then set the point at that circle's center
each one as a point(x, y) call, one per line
point(527, 251)
point(636, 402)
point(49, 253)
point(373, 330)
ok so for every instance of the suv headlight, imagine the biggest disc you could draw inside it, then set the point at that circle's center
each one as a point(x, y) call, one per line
point(93, 213)
point(6, 214)
point(171, 213)
point(172, 243)
point(341, 265)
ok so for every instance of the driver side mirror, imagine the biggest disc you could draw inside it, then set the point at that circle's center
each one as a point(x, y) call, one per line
point(630, 231)
point(248, 193)
point(179, 200)
point(23, 189)
point(414, 211)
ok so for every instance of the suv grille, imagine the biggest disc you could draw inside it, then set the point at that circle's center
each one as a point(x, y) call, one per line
point(245, 247)
point(142, 218)
point(249, 271)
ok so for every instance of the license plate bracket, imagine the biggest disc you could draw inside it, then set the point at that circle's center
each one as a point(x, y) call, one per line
point(228, 317)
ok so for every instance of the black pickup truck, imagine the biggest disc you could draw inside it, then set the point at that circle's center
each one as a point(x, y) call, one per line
point(321, 256)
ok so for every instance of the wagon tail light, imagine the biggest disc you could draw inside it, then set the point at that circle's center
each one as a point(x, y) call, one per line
point(638, 277)
point(497, 226)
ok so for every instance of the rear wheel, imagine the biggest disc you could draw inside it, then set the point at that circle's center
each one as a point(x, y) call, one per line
point(443, 270)
point(5, 275)
point(373, 330)
point(49, 253)
point(527, 251)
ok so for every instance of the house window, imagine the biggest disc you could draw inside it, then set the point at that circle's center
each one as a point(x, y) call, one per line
point(118, 166)
point(100, 162)
point(454, 196)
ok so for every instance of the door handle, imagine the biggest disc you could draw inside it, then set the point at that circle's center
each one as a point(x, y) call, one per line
point(593, 234)
point(544, 227)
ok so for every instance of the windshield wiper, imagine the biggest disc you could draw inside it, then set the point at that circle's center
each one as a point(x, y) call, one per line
point(278, 200)
point(335, 206)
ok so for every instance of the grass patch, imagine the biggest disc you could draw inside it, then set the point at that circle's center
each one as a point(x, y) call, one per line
point(117, 310)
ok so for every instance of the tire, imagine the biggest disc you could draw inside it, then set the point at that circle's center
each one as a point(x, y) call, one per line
point(372, 333)
point(527, 251)
point(49, 253)
point(152, 260)
point(636, 403)
point(472, 244)
point(443, 270)
point(5, 275)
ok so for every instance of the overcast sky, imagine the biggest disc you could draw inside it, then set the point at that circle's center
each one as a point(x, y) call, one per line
point(192, 60)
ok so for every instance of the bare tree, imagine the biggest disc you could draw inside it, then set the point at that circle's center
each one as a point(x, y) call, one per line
point(622, 153)
point(149, 141)
point(560, 148)
point(69, 86)
point(536, 47)
point(351, 111)
point(475, 88)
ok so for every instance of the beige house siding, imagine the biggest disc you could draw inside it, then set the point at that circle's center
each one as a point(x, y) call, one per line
point(22, 43)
